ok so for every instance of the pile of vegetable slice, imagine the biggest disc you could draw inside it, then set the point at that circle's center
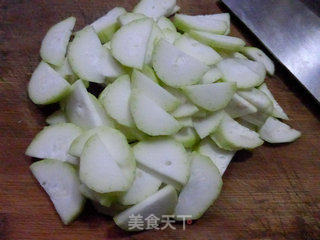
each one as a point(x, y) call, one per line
point(180, 99)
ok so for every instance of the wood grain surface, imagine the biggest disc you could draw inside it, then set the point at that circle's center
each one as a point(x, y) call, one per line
point(272, 193)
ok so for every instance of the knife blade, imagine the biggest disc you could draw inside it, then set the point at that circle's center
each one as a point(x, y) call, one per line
point(290, 31)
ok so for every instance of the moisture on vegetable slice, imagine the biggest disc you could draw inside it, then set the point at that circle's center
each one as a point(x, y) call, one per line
point(155, 8)
point(108, 24)
point(202, 189)
point(154, 91)
point(205, 23)
point(230, 135)
point(197, 50)
point(211, 97)
point(159, 204)
point(220, 157)
point(54, 141)
point(274, 131)
point(54, 45)
point(115, 99)
point(174, 67)
point(46, 86)
point(150, 117)
point(218, 41)
point(130, 43)
point(164, 157)
point(60, 181)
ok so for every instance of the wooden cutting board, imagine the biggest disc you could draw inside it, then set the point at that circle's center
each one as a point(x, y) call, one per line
point(272, 193)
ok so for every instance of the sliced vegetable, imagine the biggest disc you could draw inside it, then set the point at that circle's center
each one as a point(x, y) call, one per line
point(159, 204)
point(115, 100)
point(205, 126)
point(259, 99)
point(230, 135)
point(220, 157)
point(128, 17)
point(54, 141)
point(154, 91)
point(213, 75)
point(187, 136)
point(174, 67)
point(154, 8)
point(54, 45)
point(164, 157)
point(56, 118)
point(132, 53)
point(218, 41)
point(205, 23)
point(205, 182)
point(107, 25)
point(46, 86)
point(277, 109)
point(150, 117)
point(274, 131)
point(211, 97)
point(60, 181)
point(238, 107)
point(197, 50)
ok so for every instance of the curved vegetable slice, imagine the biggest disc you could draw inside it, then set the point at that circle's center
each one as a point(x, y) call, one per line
point(218, 41)
point(115, 99)
point(239, 71)
point(56, 118)
point(197, 50)
point(259, 99)
point(230, 135)
point(60, 181)
point(54, 141)
point(176, 68)
point(155, 8)
point(128, 17)
point(84, 110)
point(274, 131)
point(277, 110)
point(207, 125)
point(108, 24)
point(46, 86)
point(90, 60)
point(257, 119)
point(129, 44)
point(238, 107)
point(66, 72)
point(155, 36)
point(165, 23)
point(220, 157)
point(165, 158)
point(213, 75)
point(170, 35)
point(187, 136)
point(142, 187)
point(211, 97)
point(159, 204)
point(258, 55)
point(154, 91)
point(54, 45)
point(204, 23)
point(151, 118)
point(186, 109)
point(225, 17)
point(202, 189)
point(105, 199)
point(99, 170)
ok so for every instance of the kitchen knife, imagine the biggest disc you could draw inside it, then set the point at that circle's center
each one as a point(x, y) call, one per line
point(290, 31)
